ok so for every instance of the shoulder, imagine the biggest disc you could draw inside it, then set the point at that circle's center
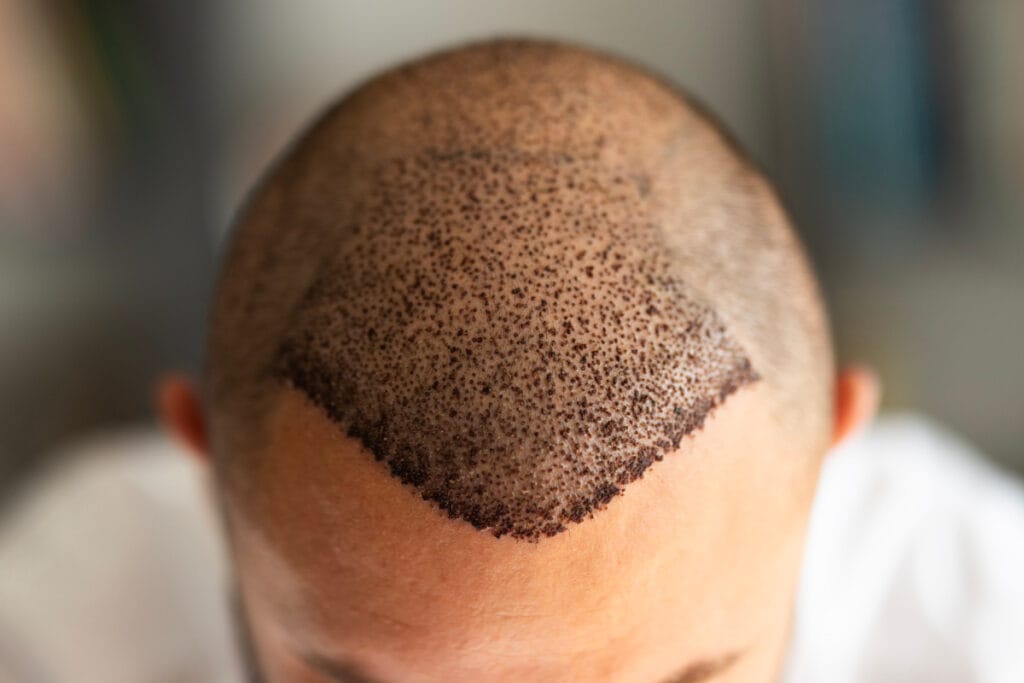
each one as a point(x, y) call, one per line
point(114, 568)
point(912, 566)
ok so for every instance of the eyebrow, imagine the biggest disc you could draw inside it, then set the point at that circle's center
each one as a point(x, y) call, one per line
point(339, 670)
point(704, 669)
point(344, 671)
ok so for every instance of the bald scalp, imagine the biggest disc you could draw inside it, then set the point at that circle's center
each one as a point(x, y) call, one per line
point(519, 273)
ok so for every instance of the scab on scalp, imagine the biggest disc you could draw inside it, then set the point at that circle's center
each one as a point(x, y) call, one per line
point(499, 323)
point(503, 332)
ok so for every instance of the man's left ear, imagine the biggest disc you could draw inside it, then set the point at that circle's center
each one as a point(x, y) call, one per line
point(181, 413)
point(858, 392)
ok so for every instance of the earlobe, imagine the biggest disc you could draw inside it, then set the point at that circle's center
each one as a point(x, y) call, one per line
point(857, 395)
point(181, 413)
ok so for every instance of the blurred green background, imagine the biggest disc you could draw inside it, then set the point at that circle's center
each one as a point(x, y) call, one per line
point(129, 132)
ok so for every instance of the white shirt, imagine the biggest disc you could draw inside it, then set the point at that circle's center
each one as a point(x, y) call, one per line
point(112, 568)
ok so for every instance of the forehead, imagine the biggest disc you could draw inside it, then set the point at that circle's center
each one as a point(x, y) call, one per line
point(344, 559)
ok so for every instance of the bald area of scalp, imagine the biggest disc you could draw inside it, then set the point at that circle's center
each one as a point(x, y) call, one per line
point(489, 299)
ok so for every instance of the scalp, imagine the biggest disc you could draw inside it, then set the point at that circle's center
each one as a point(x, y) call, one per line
point(519, 273)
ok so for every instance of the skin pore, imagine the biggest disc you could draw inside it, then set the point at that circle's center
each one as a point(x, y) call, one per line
point(405, 507)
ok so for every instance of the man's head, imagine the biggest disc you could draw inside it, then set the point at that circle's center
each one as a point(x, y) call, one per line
point(517, 372)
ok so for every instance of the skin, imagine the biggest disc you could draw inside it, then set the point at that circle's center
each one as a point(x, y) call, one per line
point(347, 575)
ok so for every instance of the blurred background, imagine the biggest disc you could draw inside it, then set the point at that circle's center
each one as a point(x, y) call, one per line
point(130, 131)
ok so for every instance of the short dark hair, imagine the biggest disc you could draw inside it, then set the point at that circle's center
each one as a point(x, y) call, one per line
point(519, 273)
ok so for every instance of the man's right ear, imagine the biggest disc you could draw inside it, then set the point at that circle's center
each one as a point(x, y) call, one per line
point(181, 413)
